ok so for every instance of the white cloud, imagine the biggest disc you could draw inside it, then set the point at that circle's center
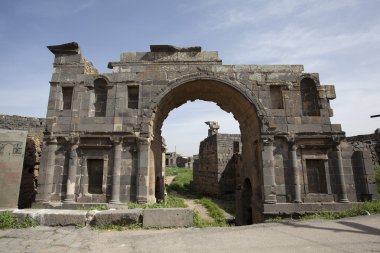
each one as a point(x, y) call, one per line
point(234, 14)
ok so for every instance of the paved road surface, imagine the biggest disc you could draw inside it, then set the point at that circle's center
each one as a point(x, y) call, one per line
point(360, 234)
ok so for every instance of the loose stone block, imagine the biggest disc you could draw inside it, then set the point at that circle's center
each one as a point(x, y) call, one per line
point(168, 217)
point(118, 217)
point(12, 150)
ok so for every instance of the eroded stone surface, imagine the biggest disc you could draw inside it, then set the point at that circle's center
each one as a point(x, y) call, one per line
point(12, 150)
point(168, 217)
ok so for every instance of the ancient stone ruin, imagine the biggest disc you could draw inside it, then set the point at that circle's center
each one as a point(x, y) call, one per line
point(217, 170)
point(103, 141)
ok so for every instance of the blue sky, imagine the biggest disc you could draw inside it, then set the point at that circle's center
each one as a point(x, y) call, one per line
point(339, 39)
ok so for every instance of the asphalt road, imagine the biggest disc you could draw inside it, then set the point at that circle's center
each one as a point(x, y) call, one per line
point(359, 234)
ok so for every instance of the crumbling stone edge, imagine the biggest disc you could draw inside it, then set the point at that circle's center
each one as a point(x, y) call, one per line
point(149, 218)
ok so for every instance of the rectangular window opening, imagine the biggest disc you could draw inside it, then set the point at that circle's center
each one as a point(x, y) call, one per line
point(316, 176)
point(276, 97)
point(67, 97)
point(95, 175)
point(133, 97)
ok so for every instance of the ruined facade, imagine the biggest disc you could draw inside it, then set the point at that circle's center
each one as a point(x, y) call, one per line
point(103, 141)
point(215, 174)
point(172, 159)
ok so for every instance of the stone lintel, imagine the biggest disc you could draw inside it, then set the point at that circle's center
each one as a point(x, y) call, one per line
point(171, 48)
point(70, 48)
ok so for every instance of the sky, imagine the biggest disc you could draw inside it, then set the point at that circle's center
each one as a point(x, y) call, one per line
point(339, 39)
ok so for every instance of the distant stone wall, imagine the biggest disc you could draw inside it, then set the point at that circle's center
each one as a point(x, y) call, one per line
point(370, 140)
point(214, 172)
point(205, 173)
point(228, 145)
point(34, 126)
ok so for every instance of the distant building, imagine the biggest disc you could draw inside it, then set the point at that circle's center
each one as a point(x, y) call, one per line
point(215, 169)
point(173, 159)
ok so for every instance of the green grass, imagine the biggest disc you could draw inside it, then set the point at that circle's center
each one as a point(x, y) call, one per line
point(170, 202)
point(198, 222)
point(181, 185)
point(181, 182)
point(9, 221)
point(214, 211)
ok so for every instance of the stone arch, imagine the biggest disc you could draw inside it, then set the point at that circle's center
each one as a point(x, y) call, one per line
point(262, 114)
point(230, 96)
point(309, 96)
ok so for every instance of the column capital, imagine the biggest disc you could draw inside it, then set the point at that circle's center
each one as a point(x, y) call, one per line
point(337, 147)
point(267, 140)
point(291, 138)
point(117, 139)
point(337, 139)
point(51, 140)
point(143, 141)
point(72, 139)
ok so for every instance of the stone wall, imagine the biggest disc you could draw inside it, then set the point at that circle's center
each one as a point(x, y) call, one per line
point(227, 146)
point(28, 188)
point(214, 173)
point(34, 126)
point(373, 142)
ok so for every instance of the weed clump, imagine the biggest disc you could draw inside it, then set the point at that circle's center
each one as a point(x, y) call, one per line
point(9, 221)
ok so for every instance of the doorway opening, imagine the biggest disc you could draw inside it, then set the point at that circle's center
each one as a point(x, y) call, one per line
point(244, 110)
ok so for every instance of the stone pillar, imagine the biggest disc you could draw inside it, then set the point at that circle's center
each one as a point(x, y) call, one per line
point(85, 177)
point(268, 171)
point(343, 194)
point(143, 169)
point(51, 143)
point(296, 172)
point(72, 172)
point(117, 144)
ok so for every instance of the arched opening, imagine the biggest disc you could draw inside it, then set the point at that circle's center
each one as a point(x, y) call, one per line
point(230, 98)
point(203, 139)
point(309, 98)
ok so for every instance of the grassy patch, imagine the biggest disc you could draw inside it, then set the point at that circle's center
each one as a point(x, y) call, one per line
point(79, 226)
point(276, 219)
point(170, 202)
point(181, 185)
point(363, 208)
point(214, 211)
point(9, 221)
point(198, 222)
point(181, 182)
